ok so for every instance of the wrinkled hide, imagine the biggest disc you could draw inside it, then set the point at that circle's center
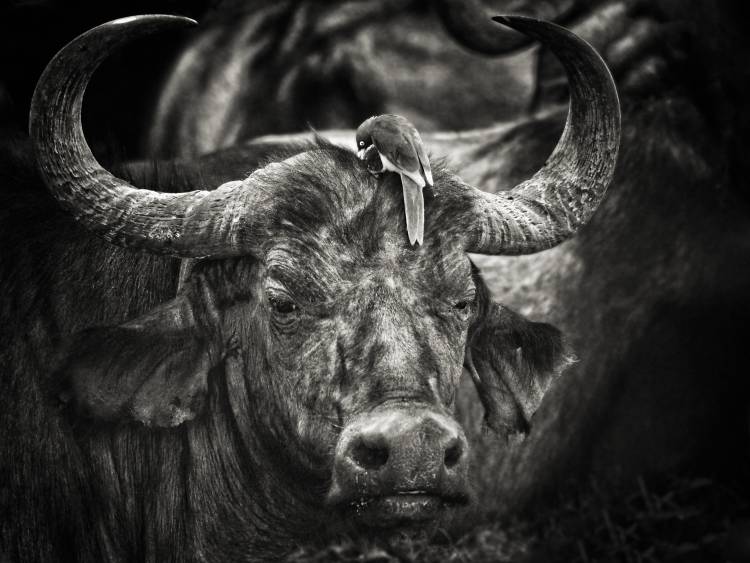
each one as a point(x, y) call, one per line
point(651, 293)
point(203, 425)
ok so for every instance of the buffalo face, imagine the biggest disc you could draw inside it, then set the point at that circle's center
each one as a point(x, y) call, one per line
point(342, 345)
point(366, 341)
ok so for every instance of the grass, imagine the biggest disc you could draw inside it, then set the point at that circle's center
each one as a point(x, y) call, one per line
point(679, 519)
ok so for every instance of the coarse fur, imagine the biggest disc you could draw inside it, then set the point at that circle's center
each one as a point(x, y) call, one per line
point(140, 425)
point(652, 293)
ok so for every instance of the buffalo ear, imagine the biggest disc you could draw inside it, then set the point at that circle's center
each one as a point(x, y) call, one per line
point(513, 361)
point(153, 370)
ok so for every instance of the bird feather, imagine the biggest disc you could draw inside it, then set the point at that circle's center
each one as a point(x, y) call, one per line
point(414, 209)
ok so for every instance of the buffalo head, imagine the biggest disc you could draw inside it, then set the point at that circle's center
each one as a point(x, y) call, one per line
point(334, 345)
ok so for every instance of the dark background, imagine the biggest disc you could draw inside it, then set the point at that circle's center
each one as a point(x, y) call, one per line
point(122, 92)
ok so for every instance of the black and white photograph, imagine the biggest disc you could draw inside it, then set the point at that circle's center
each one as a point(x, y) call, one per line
point(374, 281)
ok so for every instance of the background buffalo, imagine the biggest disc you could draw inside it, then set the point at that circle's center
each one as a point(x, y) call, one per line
point(652, 293)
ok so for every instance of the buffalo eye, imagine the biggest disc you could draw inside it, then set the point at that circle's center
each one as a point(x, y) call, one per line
point(464, 307)
point(282, 305)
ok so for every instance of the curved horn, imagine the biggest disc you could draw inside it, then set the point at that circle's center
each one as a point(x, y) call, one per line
point(547, 209)
point(468, 22)
point(190, 224)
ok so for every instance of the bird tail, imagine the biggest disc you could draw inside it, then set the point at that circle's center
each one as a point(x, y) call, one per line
point(414, 208)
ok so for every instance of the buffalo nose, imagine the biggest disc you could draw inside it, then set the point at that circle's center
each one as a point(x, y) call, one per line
point(372, 449)
point(399, 451)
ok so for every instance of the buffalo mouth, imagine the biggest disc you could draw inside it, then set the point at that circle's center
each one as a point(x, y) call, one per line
point(398, 466)
point(402, 508)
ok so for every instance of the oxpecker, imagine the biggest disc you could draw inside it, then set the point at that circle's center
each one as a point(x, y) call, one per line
point(399, 147)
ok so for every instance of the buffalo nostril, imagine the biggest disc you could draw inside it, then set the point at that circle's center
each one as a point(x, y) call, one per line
point(453, 454)
point(369, 457)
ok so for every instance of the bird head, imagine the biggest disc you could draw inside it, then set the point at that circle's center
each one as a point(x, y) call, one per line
point(364, 137)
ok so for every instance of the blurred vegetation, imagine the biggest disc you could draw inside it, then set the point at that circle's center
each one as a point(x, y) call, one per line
point(681, 519)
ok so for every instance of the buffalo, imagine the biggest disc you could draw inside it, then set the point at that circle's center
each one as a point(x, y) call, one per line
point(650, 293)
point(254, 353)
point(256, 68)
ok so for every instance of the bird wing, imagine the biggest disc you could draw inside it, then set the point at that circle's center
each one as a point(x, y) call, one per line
point(399, 141)
point(393, 142)
point(418, 146)
point(423, 160)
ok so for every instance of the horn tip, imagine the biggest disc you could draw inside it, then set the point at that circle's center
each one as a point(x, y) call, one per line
point(515, 22)
point(189, 22)
point(165, 18)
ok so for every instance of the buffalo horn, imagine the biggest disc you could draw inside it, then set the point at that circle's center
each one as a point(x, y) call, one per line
point(189, 224)
point(561, 197)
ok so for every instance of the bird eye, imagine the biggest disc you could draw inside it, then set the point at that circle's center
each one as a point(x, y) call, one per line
point(361, 143)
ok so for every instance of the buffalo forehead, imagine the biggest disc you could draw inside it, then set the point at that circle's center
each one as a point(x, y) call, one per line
point(336, 227)
point(328, 269)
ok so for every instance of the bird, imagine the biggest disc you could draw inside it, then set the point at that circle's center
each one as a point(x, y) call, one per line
point(398, 144)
